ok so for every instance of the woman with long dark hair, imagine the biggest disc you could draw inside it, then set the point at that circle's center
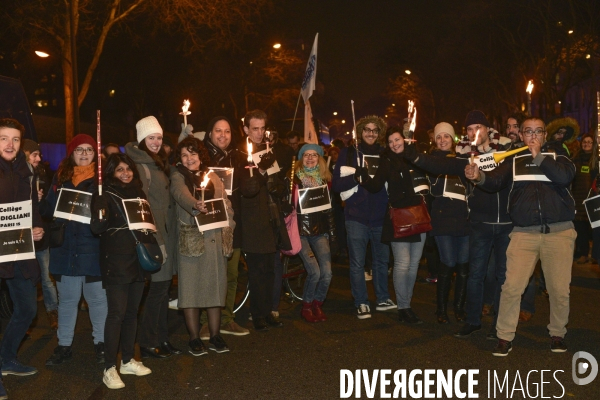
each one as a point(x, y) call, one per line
point(75, 263)
point(407, 250)
point(122, 275)
point(153, 166)
point(202, 256)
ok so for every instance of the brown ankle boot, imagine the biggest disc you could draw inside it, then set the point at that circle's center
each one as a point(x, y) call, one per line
point(307, 312)
point(318, 311)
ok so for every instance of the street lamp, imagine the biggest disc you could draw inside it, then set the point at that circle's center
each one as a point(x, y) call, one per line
point(335, 113)
point(277, 46)
point(41, 54)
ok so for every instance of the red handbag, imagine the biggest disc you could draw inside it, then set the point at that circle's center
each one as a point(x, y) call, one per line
point(410, 220)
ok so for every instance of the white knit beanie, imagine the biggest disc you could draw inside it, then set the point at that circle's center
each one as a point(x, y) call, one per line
point(146, 127)
point(444, 127)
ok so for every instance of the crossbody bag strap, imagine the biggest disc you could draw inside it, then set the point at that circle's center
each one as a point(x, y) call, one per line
point(122, 214)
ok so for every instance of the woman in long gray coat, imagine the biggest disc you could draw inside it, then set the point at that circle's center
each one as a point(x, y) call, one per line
point(202, 256)
point(153, 167)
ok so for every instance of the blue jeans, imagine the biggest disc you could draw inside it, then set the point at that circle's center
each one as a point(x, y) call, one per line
point(453, 249)
point(24, 297)
point(358, 237)
point(48, 288)
point(481, 239)
point(69, 294)
point(406, 265)
point(316, 256)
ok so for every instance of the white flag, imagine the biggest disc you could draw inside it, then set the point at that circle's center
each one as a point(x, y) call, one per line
point(308, 84)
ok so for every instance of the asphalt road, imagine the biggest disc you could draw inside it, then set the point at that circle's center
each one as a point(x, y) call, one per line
point(303, 361)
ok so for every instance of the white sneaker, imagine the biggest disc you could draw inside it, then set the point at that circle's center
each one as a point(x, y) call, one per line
point(368, 276)
point(173, 304)
point(111, 379)
point(134, 367)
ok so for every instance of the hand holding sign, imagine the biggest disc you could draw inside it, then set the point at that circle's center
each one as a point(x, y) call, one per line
point(38, 233)
point(200, 206)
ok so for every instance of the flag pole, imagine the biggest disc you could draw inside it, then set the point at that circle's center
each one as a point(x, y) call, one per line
point(296, 112)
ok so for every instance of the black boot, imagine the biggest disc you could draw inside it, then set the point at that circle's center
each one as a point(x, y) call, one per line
point(460, 291)
point(99, 350)
point(408, 315)
point(443, 290)
point(60, 355)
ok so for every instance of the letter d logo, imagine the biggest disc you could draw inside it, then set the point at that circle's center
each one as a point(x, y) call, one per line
point(583, 367)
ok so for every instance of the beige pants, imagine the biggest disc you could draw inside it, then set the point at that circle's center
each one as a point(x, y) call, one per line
point(555, 250)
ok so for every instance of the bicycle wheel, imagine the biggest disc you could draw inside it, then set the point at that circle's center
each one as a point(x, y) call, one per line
point(243, 288)
point(294, 276)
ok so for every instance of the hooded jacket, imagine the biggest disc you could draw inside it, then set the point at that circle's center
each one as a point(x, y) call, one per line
point(15, 181)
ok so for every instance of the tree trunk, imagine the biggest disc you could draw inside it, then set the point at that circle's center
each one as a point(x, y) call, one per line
point(68, 88)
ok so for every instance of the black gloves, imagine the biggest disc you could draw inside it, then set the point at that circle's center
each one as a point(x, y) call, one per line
point(410, 152)
point(276, 188)
point(286, 208)
point(100, 203)
point(361, 174)
point(266, 161)
point(251, 186)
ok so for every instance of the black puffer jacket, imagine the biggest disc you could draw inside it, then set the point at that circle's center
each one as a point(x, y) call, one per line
point(15, 185)
point(449, 217)
point(535, 203)
point(317, 223)
point(118, 257)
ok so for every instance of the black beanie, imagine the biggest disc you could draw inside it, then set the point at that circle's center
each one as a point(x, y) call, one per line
point(30, 146)
point(476, 117)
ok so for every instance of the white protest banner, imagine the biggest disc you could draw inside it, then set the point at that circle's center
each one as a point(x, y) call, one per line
point(454, 188)
point(16, 235)
point(256, 157)
point(74, 205)
point(524, 169)
point(215, 218)
point(592, 207)
point(139, 215)
point(314, 199)
point(372, 163)
point(420, 181)
point(310, 74)
point(486, 162)
point(226, 176)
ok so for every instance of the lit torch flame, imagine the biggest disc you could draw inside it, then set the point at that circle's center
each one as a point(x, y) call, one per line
point(529, 87)
point(474, 142)
point(411, 105)
point(413, 122)
point(206, 179)
point(186, 105)
point(249, 152)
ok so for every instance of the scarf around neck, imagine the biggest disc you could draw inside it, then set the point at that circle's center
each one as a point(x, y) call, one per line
point(310, 177)
point(80, 174)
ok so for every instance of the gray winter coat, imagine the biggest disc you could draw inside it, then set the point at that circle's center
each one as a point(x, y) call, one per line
point(162, 205)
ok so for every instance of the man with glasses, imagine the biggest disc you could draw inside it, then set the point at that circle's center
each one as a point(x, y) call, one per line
point(16, 181)
point(542, 210)
point(364, 212)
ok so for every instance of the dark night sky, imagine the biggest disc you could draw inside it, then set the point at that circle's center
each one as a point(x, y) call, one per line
point(354, 37)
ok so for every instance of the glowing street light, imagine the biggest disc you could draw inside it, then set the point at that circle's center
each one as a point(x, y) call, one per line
point(41, 54)
point(407, 71)
point(277, 46)
point(335, 113)
point(570, 31)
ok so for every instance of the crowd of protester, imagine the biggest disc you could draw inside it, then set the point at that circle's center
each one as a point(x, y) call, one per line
point(488, 230)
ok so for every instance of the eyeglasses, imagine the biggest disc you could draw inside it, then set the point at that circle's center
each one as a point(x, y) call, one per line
point(530, 132)
point(310, 155)
point(80, 150)
point(375, 131)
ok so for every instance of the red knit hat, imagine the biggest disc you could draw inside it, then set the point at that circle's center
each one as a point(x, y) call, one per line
point(78, 140)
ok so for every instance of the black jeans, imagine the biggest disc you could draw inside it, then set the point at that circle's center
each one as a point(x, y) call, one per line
point(260, 278)
point(121, 321)
point(584, 235)
point(154, 329)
